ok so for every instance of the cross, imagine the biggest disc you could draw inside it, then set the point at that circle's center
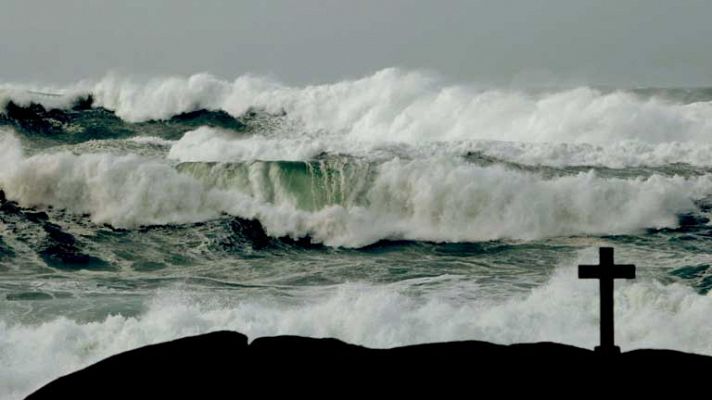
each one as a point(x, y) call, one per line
point(606, 272)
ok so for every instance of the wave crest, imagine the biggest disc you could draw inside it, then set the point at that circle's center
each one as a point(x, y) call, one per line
point(403, 106)
point(344, 204)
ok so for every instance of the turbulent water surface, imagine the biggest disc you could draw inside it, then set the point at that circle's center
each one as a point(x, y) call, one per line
point(390, 210)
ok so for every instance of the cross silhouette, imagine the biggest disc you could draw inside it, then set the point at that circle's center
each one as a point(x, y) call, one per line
point(606, 272)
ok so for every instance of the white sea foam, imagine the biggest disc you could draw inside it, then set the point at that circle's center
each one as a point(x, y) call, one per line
point(121, 190)
point(404, 108)
point(407, 106)
point(615, 155)
point(395, 105)
point(648, 315)
point(438, 199)
point(212, 144)
point(152, 140)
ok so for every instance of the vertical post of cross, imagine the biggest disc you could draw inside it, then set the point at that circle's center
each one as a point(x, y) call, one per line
point(606, 272)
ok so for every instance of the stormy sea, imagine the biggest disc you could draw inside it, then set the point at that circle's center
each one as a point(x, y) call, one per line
point(394, 209)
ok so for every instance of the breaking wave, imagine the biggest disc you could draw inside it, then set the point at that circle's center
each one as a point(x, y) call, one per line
point(215, 144)
point(392, 111)
point(396, 105)
point(349, 203)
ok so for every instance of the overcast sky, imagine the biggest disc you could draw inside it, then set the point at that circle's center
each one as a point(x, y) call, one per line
point(617, 42)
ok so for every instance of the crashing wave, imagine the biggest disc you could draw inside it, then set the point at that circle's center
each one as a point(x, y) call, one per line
point(207, 144)
point(347, 204)
point(391, 110)
point(405, 106)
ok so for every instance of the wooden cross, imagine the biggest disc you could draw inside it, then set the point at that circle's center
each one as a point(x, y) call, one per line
point(606, 272)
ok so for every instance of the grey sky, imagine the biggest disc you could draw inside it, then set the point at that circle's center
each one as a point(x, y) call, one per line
point(623, 42)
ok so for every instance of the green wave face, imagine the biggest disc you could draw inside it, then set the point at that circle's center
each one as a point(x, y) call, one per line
point(308, 185)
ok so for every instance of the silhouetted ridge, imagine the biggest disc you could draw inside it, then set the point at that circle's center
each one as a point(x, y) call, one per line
point(172, 367)
point(223, 363)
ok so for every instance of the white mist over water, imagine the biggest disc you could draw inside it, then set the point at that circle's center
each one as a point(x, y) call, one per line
point(397, 105)
point(412, 111)
point(649, 315)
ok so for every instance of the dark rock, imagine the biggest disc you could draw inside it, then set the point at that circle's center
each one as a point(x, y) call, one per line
point(192, 365)
point(219, 119)
point(222, 365)
point(38, 217)
point(303, 242)
point(10, 207)
point(60, 257)
point(57, 235)
point(62, 251)
point(689, 220)
point(83, 103)
point(251, 230)
point(35, 118)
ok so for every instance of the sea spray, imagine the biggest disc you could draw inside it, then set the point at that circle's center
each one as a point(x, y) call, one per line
point(404, 106)
point(649, 315)
point(433, 199)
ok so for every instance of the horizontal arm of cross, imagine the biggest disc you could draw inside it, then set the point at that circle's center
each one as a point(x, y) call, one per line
point(623, 271)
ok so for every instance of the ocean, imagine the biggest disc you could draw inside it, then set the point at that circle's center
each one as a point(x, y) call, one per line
point(394, 209)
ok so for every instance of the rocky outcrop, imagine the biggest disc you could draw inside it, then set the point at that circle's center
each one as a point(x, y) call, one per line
point(223, 365)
